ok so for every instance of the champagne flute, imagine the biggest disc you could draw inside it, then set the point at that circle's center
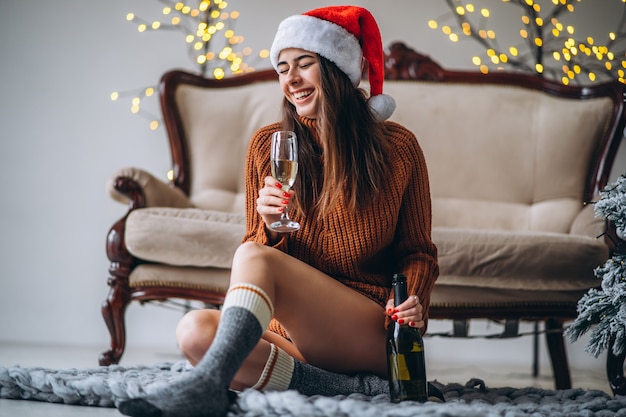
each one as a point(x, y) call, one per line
point(284, 160)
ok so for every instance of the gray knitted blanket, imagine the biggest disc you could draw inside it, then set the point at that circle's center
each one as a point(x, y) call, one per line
point(105, 386)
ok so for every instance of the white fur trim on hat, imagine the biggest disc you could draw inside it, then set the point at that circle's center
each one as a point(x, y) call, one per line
point(325, 38)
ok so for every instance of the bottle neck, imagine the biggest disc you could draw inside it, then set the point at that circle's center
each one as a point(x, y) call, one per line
point(399, 292)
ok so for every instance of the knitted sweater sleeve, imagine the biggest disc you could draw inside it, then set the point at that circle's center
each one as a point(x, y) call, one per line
point(257, 168)
point(414, 249)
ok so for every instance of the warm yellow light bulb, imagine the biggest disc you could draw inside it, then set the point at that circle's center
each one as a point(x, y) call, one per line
point(460, 10)
point(149, 91)
point(115, 95)
point(592, 76)
point(454, 37)
point(470, 7)
point(154, 125)
point(141, 28)
point(539, 68)
point(432, 24)
point(170, 175)
point(218, 73)
point(130, 17)
point(156, 25)
point(476, 60)
point(234, 15)
point(264, 53)
point(513, 51)
point(485, 12)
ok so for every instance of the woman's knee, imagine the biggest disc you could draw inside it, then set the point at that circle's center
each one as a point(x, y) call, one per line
point(252, 257)
point(195, 332)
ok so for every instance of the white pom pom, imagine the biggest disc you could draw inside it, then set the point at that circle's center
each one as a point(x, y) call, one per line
point(382, 105)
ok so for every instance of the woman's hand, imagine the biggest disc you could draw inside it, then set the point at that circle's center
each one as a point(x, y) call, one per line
point(272, 200)
point(409, 312)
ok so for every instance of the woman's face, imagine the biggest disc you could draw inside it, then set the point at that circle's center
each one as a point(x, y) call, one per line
point(299, 76)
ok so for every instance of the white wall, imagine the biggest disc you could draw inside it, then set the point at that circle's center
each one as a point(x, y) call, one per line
point(61, 137)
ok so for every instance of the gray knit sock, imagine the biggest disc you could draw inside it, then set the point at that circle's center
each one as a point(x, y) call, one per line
point(204, 391)
point(309, 380)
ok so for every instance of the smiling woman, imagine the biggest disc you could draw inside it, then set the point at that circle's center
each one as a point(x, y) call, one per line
point(299, 76)
point(331, 279)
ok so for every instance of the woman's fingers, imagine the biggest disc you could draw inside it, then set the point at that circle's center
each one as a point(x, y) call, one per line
point(409, 312)
point(272, 200)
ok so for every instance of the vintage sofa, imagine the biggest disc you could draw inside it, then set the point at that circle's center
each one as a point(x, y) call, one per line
point(513, 160)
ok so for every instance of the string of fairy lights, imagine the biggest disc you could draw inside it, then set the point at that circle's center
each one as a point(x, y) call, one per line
point(548, 46)
point(212, 43)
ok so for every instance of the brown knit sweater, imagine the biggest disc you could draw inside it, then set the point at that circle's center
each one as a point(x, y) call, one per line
point(361, 249)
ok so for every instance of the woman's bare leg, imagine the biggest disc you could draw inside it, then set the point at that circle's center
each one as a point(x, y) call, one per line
point(331, 325)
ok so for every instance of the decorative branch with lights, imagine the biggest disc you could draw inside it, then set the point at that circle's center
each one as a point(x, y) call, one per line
point(548, 47)
point(211, 41)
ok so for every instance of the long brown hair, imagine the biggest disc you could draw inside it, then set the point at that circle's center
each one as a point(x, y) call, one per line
point(351, 147)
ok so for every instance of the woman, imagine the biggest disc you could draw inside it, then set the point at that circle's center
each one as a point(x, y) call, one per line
point(308, 310)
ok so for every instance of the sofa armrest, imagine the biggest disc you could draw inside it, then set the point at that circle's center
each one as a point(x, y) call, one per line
point(138, 188)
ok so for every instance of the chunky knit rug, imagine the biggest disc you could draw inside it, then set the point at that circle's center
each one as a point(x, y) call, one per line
point(105, 386)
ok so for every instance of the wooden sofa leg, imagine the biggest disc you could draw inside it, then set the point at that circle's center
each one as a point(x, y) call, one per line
point(615, 371)
point(114, 307)
point(558, 355)
point(113, 311)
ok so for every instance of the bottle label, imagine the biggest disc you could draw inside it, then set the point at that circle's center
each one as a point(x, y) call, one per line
point(417, 347)
point(400, 371)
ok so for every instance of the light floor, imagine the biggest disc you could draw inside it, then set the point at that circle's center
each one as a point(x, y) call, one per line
point(440, 367)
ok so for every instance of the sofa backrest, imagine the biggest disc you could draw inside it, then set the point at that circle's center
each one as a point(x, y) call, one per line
point(209, 129)
point(504, 151)
point(502, 157)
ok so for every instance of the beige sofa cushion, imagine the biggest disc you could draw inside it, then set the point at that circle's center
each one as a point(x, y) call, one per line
point(534, 261)
point(193, 237)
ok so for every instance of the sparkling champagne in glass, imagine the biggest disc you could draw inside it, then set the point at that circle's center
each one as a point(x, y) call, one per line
point(284, 160)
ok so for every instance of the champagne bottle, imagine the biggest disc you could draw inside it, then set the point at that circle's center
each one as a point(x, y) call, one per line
point(405, 354)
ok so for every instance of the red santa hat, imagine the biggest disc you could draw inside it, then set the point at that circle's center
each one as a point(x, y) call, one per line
point(344, 35)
